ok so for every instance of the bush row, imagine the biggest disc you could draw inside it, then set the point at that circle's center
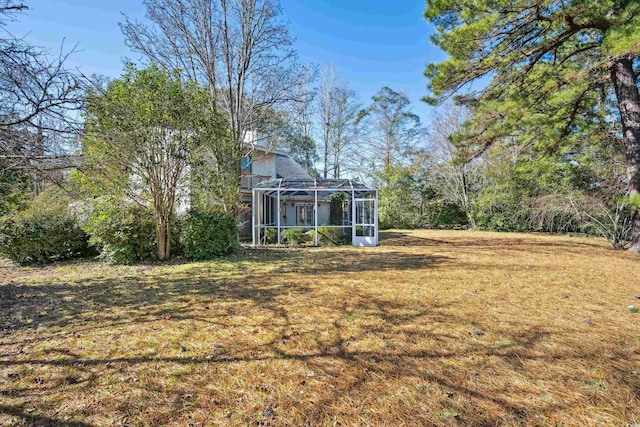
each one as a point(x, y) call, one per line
point(40, 238)
point(121, 235)
point(327, 236)
point(207, 235)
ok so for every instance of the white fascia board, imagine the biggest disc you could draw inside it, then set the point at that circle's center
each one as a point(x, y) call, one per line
point(253, 148)
point(346, 190)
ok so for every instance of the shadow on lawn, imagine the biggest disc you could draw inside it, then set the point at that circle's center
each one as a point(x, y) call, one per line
point(241, 279)
point(356, 261)
point(125, 300)
point(37, 420)
point(407, 361)
point(397, 238)
point(409, 349)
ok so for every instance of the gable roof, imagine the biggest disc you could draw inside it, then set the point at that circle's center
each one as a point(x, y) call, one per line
point(288, 168)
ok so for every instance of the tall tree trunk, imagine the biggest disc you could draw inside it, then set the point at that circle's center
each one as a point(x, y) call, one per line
point(167, 236)
point(161, 240)
point(466, 200)
point(624, 81)
point(163, 236)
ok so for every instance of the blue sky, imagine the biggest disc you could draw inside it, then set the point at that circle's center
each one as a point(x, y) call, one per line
point(373, 43)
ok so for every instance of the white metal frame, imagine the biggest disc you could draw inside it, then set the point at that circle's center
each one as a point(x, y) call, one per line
point(256, 207)
point(365, 240)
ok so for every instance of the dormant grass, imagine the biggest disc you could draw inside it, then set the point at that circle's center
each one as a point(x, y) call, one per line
point(429, 328)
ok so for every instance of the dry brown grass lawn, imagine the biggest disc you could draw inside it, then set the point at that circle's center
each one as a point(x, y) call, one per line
point(430, 328)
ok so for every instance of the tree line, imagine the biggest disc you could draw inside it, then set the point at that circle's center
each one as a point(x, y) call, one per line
point(550, 143)
point(562, 85)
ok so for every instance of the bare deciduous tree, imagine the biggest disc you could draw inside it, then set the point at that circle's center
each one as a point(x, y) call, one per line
point(40, 100)
point(337, 113)
point(301, 113)
point(239, 49)
point(456, 178)
point(344, 129)
point(298, 138)
point(328, 81)
point(390, 131)
point(609, 217)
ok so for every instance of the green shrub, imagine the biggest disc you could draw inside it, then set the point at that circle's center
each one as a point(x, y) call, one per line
point(44, 231)
point(207, 235)
point(502, 212)
point(40, 238)
point(389, 219)
point(293, 236)
point(443, 214)
point(270, 236)
point(124, 234)
point(328, 236)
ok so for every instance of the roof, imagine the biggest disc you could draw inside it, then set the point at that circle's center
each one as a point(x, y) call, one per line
point(288, 168)
point(311, 184)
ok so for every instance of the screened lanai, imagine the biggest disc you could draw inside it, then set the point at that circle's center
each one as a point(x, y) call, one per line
point(339, 208)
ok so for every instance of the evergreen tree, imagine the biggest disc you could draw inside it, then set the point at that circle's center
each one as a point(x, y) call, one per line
point(554, 65)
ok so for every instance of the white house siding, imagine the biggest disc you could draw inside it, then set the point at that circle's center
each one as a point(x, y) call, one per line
point(323, 213)
point(290, 215)
point(183, 199)
point(264, 165)
point(183, 192)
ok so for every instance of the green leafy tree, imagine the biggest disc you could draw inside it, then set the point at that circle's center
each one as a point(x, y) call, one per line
point(593, 201)
point(214, 179)
point(557, 191)
point(396, 201)
point(515, 181)
point(142, 132)
point(406, 195)
point(553, 66)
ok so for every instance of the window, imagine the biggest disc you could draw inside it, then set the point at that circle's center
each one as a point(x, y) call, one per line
point(304, 215)
point(246, 165)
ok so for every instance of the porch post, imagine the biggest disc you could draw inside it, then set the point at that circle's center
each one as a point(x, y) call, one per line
point(315, 219)
point(353, 217)
point(253, 217)
point(375, 215)
point(259, 215)
point(278, 211)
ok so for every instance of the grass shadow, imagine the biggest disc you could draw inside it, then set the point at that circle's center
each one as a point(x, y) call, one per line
point(346, 336)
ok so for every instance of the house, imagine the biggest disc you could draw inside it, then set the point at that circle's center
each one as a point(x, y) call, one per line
point(262, 163)
point(279, 195)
